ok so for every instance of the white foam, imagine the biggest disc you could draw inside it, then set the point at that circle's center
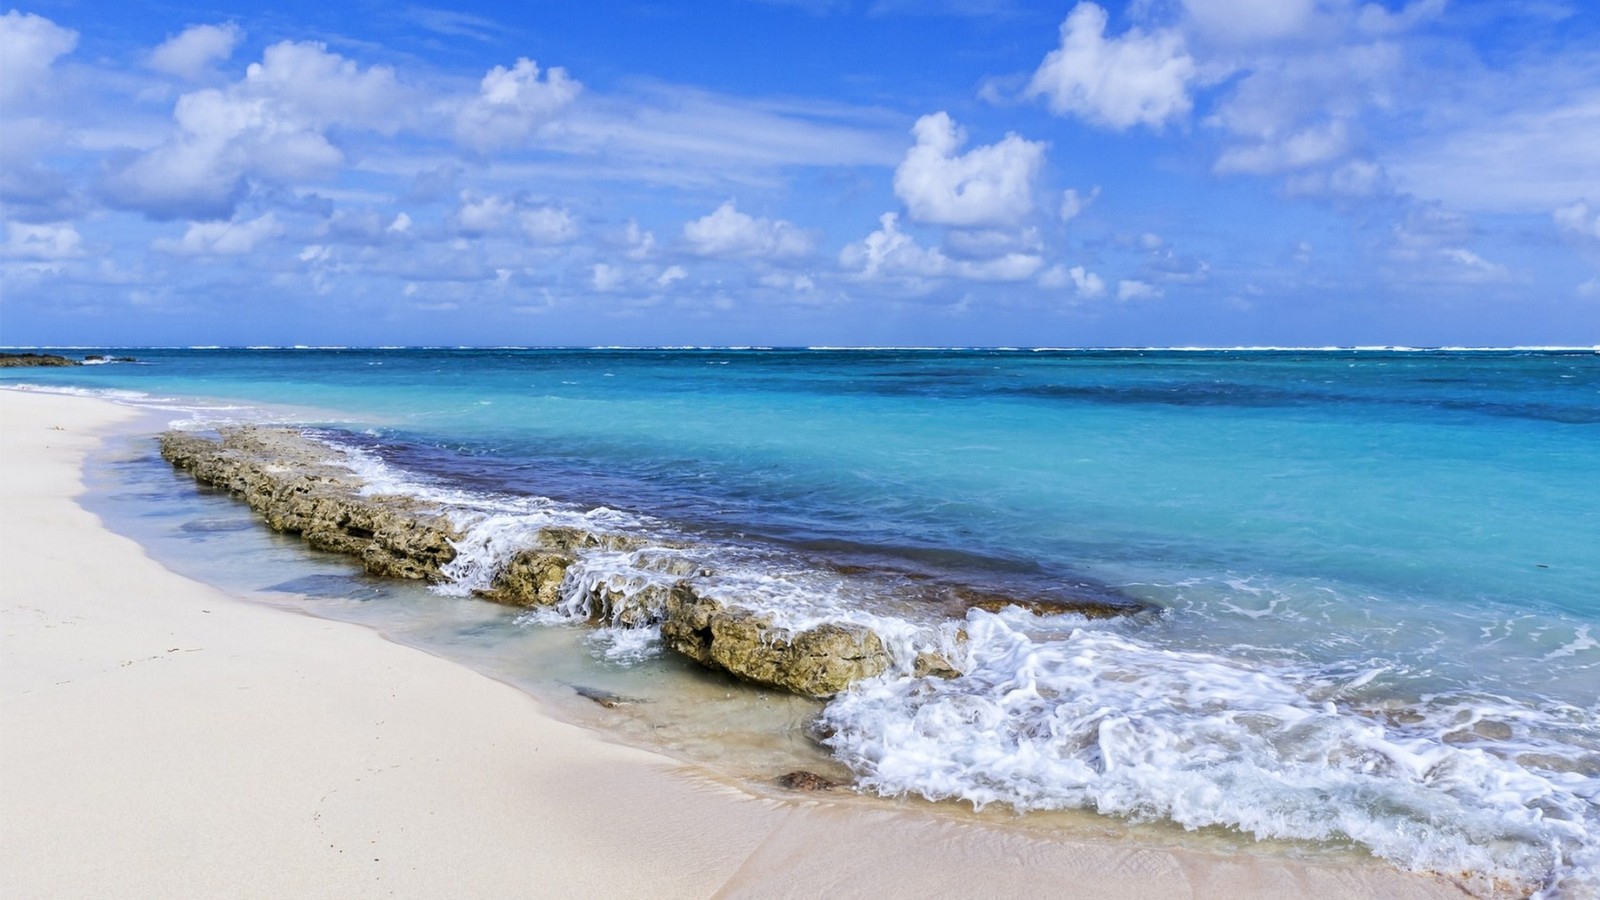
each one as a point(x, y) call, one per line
point(1095, 719)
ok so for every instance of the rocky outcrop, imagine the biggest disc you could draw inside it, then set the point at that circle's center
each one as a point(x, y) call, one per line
point(12, 360)
point(297, 487)
point(533, 576)
point(816, 662)
point(302, 486)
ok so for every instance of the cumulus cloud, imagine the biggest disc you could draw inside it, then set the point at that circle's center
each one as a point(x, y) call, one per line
point(269, 127)
point(48, 242)
point(1134, 79)
point(29, 46)
point(512, 103)
point(190, 54)
point(548, 225)
point(222, 238)
point(671, 275)
point(891, 252)
point(1010, 267)
point(728, 233)
point(988, 185)
point(1578, 218)
point(1082, 281)
point(481, 215)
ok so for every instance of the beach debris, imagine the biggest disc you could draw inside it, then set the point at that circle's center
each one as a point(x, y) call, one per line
point(801, 780)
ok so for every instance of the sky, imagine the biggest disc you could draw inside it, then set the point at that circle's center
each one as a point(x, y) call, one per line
point(802, 172)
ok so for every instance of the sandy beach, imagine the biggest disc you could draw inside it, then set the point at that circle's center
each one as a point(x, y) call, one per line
point(159, 738)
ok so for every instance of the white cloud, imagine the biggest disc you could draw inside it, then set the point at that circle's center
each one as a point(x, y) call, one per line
point(481, 215)
point(1010, 267)
point(189, 55)
point(1083, 282)
point(401, 224)
point(728, 233)
point(322, 89)
point(1073, 203)
point(671, 275)
point(548, 225)
point(891, 252)
point(1129, 289)
point(42, 242)
point(512, 103)
point(1590, 288)
point(269, 126)
point(1118, 83)
point(988, 185)
point(222, 238)
point(1578, 218)
point(29, 45)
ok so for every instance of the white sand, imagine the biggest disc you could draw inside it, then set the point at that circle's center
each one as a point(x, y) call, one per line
point(161, 739)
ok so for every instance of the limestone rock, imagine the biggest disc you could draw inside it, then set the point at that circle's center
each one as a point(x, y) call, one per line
point(817, 662)
point(290, 480)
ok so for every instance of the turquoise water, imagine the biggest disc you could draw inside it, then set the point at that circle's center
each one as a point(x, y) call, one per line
point(1376, 569)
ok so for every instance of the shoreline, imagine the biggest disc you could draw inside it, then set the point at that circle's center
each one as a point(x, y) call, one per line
point(196, 743)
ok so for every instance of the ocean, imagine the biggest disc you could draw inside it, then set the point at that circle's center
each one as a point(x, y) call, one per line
point(1368, 576)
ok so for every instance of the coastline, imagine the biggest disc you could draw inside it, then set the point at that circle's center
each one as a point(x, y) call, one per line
point(191, 744)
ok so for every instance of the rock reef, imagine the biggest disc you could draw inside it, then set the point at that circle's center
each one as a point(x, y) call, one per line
point(301, 486)
point(13, 360)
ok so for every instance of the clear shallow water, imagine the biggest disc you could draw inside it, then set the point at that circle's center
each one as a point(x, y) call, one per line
point(1377, 568)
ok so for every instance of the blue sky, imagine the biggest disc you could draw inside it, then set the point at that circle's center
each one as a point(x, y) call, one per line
point(947, 172)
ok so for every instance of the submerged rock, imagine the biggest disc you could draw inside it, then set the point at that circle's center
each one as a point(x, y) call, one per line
point(817, 662)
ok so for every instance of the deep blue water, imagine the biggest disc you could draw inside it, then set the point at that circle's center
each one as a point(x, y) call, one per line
point(1381, 565)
